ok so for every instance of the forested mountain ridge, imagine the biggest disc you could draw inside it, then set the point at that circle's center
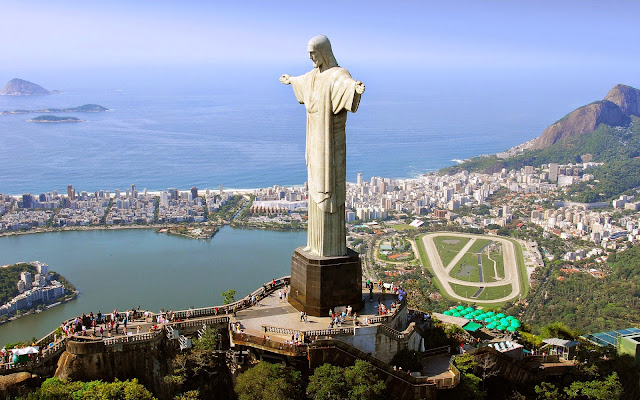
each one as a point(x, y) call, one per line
point(615, 141)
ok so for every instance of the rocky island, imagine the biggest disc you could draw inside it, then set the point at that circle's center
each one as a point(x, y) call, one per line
point(53, 118)
point(20, 87)
point(88, 108)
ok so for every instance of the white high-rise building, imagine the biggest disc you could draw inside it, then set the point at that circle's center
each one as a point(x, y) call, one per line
point(359, 179)
point(164, 199)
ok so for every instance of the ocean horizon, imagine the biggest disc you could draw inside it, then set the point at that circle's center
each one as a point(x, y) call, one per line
point(185, 127)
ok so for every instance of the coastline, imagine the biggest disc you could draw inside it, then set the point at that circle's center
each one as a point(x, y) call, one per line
point(86, 228)
point(76, 293)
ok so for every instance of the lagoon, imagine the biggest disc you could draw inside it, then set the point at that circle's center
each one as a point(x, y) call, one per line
point(130, 267)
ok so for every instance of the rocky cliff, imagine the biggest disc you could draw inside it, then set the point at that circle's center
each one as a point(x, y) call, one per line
point(626, 97)
point(620, 103)
point(20, 87)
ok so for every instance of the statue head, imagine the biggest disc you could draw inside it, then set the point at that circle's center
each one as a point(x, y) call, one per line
point(320, 52)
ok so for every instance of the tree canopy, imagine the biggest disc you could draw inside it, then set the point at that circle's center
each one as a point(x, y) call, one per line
point(268, 381)
point(358, 382)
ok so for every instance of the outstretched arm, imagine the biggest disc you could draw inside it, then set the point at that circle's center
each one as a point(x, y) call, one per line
point(286, 79)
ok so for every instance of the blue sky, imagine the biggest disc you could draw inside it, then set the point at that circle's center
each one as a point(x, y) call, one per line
point(457, 34)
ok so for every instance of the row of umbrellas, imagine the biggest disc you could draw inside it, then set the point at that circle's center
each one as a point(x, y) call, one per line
point(491, 320)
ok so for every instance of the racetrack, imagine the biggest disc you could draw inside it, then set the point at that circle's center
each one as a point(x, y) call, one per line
point(511, 275)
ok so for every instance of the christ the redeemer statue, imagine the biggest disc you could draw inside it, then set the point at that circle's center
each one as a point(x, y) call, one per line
point(327, 92)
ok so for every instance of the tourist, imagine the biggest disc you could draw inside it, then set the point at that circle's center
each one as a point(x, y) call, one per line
point(306, 317)
point(138, 329)
point(301, 316)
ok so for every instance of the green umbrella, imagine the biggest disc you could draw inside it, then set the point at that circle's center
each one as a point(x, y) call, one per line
point(502, 327)
point(460, 308)
point(469, 316)
point(478, 318)
point(478, 312)
point(501, 315)
point(456, 314)
point(468, 309)
point(491, 325)
point(491, 313)
point(515, 323)
point(510, 317)
point(503, 321)
point(511, 328)
point(448, 312)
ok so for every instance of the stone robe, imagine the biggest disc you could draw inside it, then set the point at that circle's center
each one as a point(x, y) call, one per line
point(327, 97)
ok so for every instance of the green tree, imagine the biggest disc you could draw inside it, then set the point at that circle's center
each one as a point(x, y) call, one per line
point(327, 382)
point(229, 296)
point(269, 382)
point(56, 389)
point(559, 330)
point(548, 391)
point(358, 382)
point(469, 388)
point(606, 389)
point(210, 340)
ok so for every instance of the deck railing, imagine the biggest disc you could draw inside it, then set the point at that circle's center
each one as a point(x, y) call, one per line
point(246, 339)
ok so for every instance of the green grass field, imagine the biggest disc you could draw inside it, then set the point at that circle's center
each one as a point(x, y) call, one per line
point(460, 271)
point(499, 259)
point(489, 293)
point(401, 227)
point(448, 251)
point(495, 292)
point(479, 244)
point(488, 272)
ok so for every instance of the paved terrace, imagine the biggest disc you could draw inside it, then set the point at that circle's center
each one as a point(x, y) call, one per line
point(279, 319)
point(268, 316)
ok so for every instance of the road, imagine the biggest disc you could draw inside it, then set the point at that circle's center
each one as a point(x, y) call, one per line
point(511, 276)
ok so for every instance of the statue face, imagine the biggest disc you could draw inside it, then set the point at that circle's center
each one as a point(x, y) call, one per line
point(315, 57)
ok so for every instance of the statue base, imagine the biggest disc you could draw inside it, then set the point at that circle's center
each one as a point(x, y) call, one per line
point(319, 284)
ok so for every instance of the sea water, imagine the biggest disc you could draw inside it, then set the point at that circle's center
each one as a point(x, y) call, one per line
point(241, 128)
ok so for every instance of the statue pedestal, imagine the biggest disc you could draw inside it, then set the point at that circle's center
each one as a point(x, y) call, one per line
point(319, 284)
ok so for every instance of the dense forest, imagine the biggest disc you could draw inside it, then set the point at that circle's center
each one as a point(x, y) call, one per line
point(9, 277)
point(586, 303)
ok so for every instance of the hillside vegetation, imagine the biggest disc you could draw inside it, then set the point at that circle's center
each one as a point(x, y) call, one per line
point(617, 147)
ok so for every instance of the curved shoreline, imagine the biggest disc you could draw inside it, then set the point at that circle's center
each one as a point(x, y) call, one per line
point(86, 228)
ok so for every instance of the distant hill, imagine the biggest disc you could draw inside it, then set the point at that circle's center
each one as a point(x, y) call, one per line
point(620, 103)
point(20, 87)
point(83, 108)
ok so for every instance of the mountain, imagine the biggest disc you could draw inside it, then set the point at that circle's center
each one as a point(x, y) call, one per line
point(626, 97)
point(615, 110)
point(20, 87)
point(607, 131)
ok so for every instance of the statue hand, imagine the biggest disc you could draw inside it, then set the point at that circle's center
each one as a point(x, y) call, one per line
point(286, 79)
point(359, 87)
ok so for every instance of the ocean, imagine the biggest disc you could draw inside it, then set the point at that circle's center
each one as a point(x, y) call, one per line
point(241, 128)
